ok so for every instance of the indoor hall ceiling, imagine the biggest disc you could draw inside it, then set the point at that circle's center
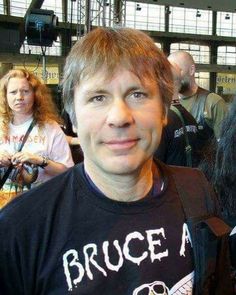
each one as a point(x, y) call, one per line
point(217, 5)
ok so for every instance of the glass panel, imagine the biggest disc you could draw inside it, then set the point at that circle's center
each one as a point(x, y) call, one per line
point(191, 21)
point(226, 24)
point(19, 7)
point(203, 79)
point(1, 7)
point(31, 49)
point(159, 45)
point(200, 53)
point(56, 6)
point(226, 55)
point(145, 16)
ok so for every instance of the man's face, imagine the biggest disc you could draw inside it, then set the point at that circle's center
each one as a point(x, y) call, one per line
point(185, 72)
point(183, 75)
point(119, 121)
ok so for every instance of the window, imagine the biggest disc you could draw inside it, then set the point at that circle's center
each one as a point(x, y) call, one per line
point(159, 45)
point(200, 53)
point(144, 16)
point(1, 7)
point(226, 24)
point(56, 6)
point(19, 7)
point(191, 21)
point(203, 79)
point(31, 49)
point(226, 55)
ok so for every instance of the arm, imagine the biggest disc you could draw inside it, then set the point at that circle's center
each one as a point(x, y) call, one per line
point(5, 159)
point(216, 110)
point(219, 112)
point(56, 152)
point(51, 167)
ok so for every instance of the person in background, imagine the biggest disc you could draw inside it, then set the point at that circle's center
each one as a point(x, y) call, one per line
point(180, 139)
point(224, 175)
point(46, 153)
point(208, 108)
point(220, 169)
point(224, 172)
point(113, 224)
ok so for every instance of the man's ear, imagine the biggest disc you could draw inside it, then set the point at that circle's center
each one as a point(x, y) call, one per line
point(192, 70)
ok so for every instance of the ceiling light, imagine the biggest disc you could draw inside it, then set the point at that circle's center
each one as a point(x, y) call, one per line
point(138, 7)
point(198, 14)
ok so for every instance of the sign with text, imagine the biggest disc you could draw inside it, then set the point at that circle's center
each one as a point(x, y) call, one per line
point(52, 73)
point(227, 81)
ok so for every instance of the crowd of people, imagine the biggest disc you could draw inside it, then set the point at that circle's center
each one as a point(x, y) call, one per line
point(146, 210)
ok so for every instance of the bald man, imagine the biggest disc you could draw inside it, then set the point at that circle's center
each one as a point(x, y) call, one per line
point(209, 109)
point(180, 143)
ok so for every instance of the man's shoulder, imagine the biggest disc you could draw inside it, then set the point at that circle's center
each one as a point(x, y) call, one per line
point(214, 97)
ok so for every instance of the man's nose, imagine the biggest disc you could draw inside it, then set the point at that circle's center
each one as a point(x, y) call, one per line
point(120, 114)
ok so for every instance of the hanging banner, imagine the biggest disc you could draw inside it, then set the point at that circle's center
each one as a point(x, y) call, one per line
point(52, 73)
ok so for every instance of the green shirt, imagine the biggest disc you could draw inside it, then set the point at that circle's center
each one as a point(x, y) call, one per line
point(214, 113)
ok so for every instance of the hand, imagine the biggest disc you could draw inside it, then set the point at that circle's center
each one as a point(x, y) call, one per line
point(5, 159)
point(23, 157)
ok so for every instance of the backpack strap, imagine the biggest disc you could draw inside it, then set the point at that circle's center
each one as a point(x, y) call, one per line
point(209, 233)
point(188, 148)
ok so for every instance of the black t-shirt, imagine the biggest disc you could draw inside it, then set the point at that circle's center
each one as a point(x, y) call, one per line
point(64, 237)
point(172, 146)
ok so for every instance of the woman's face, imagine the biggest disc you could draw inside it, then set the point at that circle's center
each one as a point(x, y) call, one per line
point(20, 96)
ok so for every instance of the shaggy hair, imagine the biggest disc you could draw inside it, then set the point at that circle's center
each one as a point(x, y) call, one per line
point(111, 48)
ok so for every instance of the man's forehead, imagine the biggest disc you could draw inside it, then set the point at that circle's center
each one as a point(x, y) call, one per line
point(104, 76)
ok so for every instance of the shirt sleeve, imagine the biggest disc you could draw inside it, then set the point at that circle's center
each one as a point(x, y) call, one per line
point(58, 149)
point(216, 110)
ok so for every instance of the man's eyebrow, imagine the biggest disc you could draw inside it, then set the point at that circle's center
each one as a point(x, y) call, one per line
point(96, 91)
point(105, 91)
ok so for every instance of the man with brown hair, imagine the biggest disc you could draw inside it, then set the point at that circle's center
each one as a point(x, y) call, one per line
point(113, 224)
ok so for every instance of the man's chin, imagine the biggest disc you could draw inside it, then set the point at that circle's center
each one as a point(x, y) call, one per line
point(121, 167)
point(184, 89)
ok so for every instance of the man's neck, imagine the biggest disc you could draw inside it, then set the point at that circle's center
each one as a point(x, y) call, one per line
point(124, 188)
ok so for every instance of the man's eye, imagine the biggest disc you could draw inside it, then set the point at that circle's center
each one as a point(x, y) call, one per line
point(97, 99)
point(139, 95)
